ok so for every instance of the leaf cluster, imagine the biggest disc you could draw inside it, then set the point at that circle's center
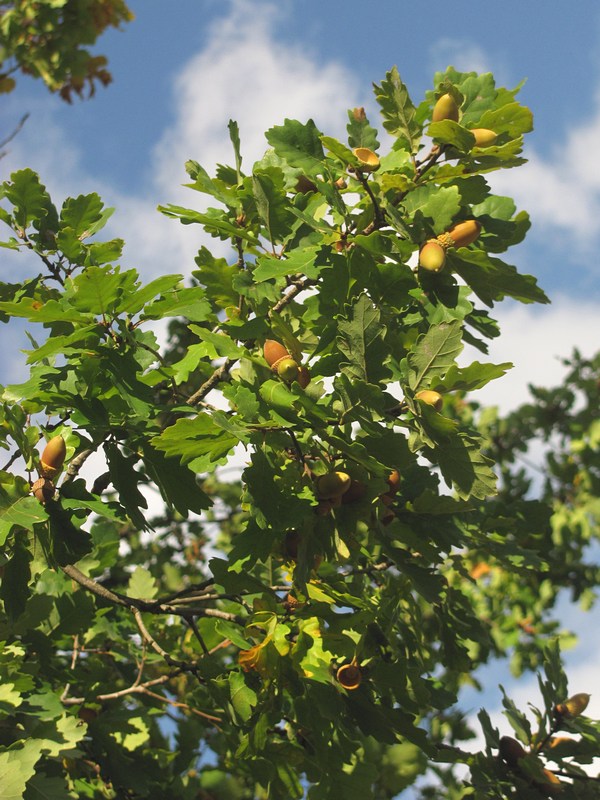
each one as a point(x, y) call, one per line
point(187, 588)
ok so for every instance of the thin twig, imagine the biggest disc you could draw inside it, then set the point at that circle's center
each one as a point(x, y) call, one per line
point(297, 287)
point(75, 465)
point(218, 375)
point(192, 623)
point(137, 614)
point(185, 706)
point(12, 135)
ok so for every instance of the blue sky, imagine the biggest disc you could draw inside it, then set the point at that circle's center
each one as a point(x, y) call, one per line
point(182, 69)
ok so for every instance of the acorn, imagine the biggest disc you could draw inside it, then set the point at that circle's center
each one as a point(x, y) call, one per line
point(356, 491)
point(273, 351)
point(87, 714)
point(292, 604)
point(511, 751)
point(332, 485)
point(287, 369)
point(349, 676)
point(43, 490)
point(387, 516)
point(484, 137)
point(323, 508)
point(430, 398)
point(460, 234)
point(432, 256)
point(574, 706)
point(445, 108)
point(369, 161)
point(290, 545)
point(304, 185)
point(393, 481)
point(53, 457)
point(552, 786)
point(303, 376)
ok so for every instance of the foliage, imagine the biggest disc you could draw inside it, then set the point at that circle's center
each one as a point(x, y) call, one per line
point(177, 626)
point(47, 39)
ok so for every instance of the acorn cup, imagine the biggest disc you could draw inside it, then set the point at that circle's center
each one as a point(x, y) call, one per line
point(369, 161)
point(288, 370)
point(349, 676)
point(43, 490)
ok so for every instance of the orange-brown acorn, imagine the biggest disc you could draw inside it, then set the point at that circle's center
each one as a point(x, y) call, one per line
point(393, 481)
point(53, 457)
point(274, 351)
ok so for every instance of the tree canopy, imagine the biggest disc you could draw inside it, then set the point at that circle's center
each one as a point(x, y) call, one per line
point(47, 39)
point(262, 561)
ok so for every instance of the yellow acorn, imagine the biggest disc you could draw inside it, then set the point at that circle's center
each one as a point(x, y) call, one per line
point(53, 457)
point(574, 706)
point(432, 256)
point(332, 485)
point(369, 161)
point(461, 234)
point(430, 398)
point(484, 137)
point(445, 108)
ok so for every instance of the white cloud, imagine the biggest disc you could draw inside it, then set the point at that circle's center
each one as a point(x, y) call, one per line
point(535, 340)
point(562, 190)
point(462, 55)
point(246, 74)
